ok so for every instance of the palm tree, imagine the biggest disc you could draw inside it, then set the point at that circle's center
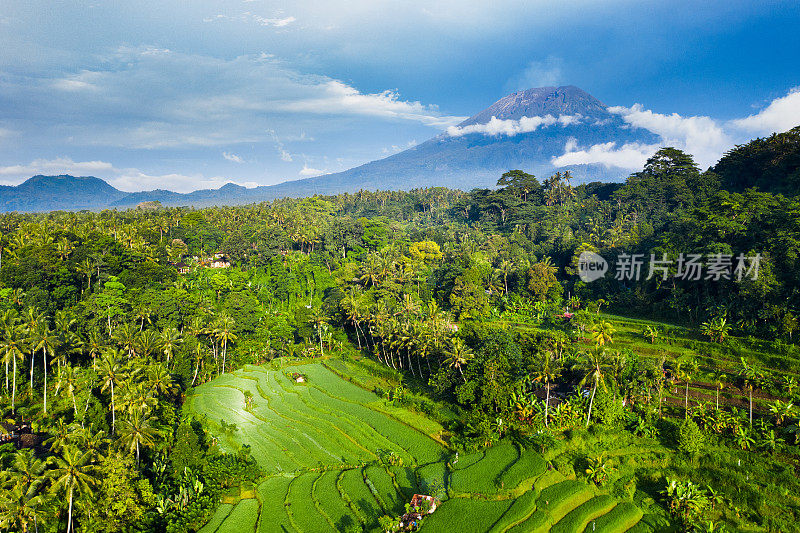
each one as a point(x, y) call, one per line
point(33, 322)
point(20, 505)
point(69, 377)
point(751, 376)
point(685, 369)
point(170, 340)
point(111, 373)
point(199, 353)
point(506, 267)
point(137, 432)
point(147, 343)
point(602, 333)
point(458, 355)
point(47, 342)
point(74, 473)
point(159, 379)
point(352, 308)
point(13, 348)
point(225, 333)
point(143, 313)
point(547, 370)
point(319, 320)
point(125, 336)
point(86, 267)
point(94, 345)
point(593, 369)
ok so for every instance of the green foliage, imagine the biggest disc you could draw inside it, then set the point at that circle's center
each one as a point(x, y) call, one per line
point(690, 437)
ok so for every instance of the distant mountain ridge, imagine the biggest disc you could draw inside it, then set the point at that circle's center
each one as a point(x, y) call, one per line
point(461, 158)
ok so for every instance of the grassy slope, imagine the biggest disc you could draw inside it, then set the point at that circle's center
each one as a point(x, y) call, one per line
point(333, 425)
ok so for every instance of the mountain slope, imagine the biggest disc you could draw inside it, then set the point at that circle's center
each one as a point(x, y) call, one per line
point(52, 193)
point(477, 159)
point(524, 130)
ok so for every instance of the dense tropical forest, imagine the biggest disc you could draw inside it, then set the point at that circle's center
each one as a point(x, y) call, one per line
point(461, 314)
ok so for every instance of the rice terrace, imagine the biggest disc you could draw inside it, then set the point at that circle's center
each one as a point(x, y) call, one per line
point(340, 458)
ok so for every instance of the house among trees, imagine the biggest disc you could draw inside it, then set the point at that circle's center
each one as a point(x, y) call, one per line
point(220, 261)
point(421, 505)
point(181, 267)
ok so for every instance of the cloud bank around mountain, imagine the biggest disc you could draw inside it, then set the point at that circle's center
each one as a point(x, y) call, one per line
point(705, 138)
point(511, 127)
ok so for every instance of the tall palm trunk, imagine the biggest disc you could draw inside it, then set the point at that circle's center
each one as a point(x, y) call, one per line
point(14, 389)
point(547, 406)
point(69, 517)
point(225, 351)
point(686, 401)
point(33, 356)
point(44, 391)
point(196, 368)
point(751, 406)
point(591, 402)
point(113, 411)
point(358, 338)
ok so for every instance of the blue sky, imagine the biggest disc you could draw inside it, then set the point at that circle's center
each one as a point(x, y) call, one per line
point(188, 95)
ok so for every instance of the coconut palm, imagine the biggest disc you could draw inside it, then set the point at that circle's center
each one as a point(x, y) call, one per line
point(684, 369)
point(94, 344)
point(200, 351)
point(593, 367)
point(125, 336)
point(112, 373)
point(752, 376)
point(458, 355)
point(225, 334)
point(147, 343)
point(33, 320)
point(602, 333)
point(68, 377)
point(159, 379)
point(137, 432)
point(74, 475)
point(13, 347)
point(170, 340)
point(20, 506)
point(546, 371)
point(46, 342)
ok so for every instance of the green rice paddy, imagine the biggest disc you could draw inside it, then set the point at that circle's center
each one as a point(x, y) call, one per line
point(320, 444)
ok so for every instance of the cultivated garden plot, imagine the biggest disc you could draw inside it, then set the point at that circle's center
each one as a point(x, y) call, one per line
point(323, 444)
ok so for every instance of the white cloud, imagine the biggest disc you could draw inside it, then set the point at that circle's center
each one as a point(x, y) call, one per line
point(511, 127)
point(232, 157)
point(125, 179)
point(628, 156)
point(285, 156)
point(275, 22)
point(338, 98)
point(545, 73)
point(196, 100)
point(60, 165)
point(395, 148)
point(703, 137)
point(308, 172)
point(782, 114)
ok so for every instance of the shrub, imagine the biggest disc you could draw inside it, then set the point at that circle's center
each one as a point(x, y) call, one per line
point(690, 438)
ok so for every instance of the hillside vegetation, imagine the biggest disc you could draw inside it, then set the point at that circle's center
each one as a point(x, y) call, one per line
point(448, 342)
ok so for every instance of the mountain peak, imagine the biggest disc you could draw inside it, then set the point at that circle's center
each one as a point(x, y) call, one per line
point(540, 101)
